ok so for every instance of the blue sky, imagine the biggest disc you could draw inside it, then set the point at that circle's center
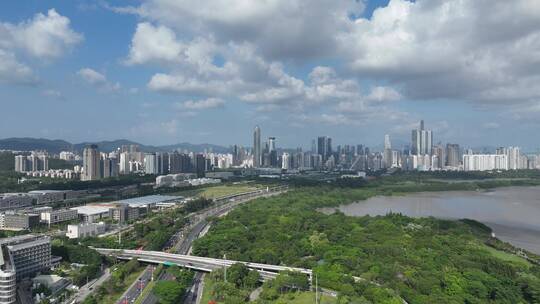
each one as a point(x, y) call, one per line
point(164, 71)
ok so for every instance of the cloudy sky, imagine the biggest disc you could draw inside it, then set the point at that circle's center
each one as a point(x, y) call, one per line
point(168, 71)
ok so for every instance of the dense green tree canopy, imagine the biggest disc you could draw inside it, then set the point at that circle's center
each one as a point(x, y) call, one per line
point(373, 258)
point(169, 292)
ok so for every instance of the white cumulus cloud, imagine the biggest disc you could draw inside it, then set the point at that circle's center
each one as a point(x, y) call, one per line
point(484, 50)
point(203, 104)
point(44, 36)
point(97, 80)
point(14, 72)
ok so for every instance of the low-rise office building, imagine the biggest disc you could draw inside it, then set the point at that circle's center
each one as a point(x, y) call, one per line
point(53, 282)
point(85, 230)
point(92, 213)
point(44, 197)
point(174, 180)
point(18, 221)
point(58, 216)
point(147, 202)
point(48, 196)
point(123, 213)
point(13, 201)
point(21, 257)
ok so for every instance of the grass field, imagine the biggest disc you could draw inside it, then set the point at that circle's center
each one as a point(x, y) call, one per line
point(218, 190)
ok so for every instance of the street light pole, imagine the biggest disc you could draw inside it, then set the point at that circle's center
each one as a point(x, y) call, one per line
point(225, 257)
point(316, 289)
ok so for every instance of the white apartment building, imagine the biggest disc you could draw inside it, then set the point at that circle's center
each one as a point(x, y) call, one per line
point(485, 162)
point(67, 155)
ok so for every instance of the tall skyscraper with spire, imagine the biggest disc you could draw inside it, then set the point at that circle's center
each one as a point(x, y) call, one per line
point(257, 147)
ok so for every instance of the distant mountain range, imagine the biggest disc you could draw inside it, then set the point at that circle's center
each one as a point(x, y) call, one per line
point(56, 146)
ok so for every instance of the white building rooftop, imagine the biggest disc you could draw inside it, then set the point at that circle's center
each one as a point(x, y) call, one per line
point(145, 201)
point(91, 209)
point(47, 191)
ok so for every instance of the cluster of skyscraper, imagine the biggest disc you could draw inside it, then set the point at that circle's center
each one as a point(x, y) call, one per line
point(267, 156)
point(321, 156)
point(129, 159)
point(422, 154)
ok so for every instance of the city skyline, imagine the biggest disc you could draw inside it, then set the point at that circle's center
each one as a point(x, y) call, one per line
point(404, 142)
point(422, 154)
point(212, 82)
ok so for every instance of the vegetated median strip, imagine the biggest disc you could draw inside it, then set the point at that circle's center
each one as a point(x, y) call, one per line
point(115, 297)
point(131, 283)
point(146, 292)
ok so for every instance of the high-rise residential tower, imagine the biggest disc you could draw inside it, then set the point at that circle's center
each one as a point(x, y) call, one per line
point(200, 165)
point(286, 161)
point(452, 155)
point(257, 147)
point(20, 163)
point(513, 158)
point(439, 156)
point(150, 163)
point(91, 163)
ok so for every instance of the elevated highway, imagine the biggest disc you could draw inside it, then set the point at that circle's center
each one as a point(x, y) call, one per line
point(204, 264)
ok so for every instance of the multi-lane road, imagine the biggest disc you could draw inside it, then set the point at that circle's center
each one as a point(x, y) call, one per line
point(184, 240)
point(227, 204)
point(134, 291)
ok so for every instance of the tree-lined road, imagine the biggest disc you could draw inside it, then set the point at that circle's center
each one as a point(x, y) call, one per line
point(184, 240)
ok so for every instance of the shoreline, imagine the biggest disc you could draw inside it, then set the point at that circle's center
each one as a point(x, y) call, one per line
point(509, 213)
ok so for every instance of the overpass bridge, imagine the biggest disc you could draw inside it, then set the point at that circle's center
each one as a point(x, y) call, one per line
point(204, 264)
point(251, 194)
